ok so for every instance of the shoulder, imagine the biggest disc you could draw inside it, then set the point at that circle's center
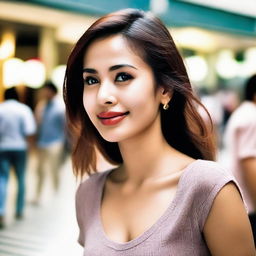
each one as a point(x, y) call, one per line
point(23, 108)
point(20, 108)
point(88, 187)
point(87, 196)
point(244, 115)
point(206, 174)
point(27, 115)
point(205, 178)
point(228, 232)
point(202, 182)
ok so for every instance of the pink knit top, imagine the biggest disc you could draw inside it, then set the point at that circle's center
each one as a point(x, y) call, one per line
point(178, 232)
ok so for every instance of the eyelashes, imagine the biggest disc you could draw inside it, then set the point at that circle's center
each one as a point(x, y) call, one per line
point(89, 80)
point(121, 77)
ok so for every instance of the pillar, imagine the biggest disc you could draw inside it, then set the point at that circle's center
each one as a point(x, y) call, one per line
point(7, 50)
point(48, 50)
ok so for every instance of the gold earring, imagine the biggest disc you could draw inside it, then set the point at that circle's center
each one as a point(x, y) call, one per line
point(165, 106)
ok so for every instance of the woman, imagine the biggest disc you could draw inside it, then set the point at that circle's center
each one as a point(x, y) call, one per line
point(128, 95)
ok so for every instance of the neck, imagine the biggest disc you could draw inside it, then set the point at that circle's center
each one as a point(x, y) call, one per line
point(146, 155)
point(50, 98)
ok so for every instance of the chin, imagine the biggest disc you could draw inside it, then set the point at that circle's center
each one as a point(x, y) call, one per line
point(109, 137)
point(113, 137)
point(111, 140)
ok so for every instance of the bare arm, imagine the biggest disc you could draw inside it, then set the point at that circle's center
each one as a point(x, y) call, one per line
point(249, 171)
point(227, 229)
point(31, 142)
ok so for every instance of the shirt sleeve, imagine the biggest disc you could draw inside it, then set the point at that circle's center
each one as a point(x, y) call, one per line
point(209, 183)
point(79, 216)
point(246, 141)
point(207, 205)
point(29, 123)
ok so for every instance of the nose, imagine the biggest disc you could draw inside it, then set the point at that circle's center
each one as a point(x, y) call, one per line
point(106, 94)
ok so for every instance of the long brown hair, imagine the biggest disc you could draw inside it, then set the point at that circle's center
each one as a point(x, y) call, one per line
point(182, 126)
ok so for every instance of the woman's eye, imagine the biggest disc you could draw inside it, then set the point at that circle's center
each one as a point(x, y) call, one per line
point(122, 77)
point(90, 80)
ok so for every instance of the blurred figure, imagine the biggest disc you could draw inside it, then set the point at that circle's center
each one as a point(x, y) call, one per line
point(50, 115)
point(213, 104)
point(240, 141)
point(27, 95)
point(230, 101)
point(16, 124)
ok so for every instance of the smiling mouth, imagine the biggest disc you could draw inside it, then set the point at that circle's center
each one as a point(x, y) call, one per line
point(112, 118)
point(109, 115)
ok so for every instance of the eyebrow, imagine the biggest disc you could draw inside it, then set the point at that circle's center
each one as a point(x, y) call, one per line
point(112, 68)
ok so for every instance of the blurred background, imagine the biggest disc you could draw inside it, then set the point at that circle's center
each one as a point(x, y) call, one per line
point(217, 40)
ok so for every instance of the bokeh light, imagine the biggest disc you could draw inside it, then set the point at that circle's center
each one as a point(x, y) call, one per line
point(248, 67)
point(13, 72)
point(226, 66)
point(57, 76)
point(197, 68)
point(33, 73)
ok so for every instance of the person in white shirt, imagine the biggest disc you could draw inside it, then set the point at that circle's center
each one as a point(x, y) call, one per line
point(16, 125)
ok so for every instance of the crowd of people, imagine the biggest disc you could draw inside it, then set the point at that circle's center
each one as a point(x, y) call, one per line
point(23, 130)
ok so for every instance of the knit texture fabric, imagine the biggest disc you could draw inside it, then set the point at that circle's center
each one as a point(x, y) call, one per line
point(179, 231)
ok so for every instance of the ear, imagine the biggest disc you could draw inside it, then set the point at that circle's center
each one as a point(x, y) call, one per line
point(166, 95)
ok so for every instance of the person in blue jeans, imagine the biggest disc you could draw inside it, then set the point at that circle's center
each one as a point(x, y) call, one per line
point(16, 125)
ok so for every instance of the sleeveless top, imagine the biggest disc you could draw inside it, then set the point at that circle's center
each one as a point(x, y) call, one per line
point(179, 231)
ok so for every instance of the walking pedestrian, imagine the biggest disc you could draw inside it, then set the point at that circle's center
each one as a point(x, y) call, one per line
point(16, 125)
point(240, 140)
point(50, 115)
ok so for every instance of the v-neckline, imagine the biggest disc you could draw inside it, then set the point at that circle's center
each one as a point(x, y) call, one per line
point(149, 231)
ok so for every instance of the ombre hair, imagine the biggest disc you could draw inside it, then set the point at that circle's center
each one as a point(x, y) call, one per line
point(182, 126)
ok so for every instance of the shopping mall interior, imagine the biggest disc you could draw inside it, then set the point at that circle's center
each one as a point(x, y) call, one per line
point(216, 40)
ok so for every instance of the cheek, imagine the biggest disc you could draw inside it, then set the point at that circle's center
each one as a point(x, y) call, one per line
point(88, 103)
point(140, 103)
point(144, 99)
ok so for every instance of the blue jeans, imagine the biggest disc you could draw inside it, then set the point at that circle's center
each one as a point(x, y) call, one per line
point(17, 160)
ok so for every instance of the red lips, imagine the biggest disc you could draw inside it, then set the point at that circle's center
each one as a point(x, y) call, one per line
point(111, 118)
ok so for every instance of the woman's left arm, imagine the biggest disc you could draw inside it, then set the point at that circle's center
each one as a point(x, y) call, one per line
point(227, 230)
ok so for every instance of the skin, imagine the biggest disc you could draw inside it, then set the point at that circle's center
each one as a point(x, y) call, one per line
point(249, 172)
point(145, 181)
point(227, 230)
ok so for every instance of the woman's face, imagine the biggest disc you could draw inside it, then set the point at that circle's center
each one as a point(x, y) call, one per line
point(119, 90)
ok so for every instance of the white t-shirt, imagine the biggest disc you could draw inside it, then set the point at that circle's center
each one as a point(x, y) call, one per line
point(16, 123)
